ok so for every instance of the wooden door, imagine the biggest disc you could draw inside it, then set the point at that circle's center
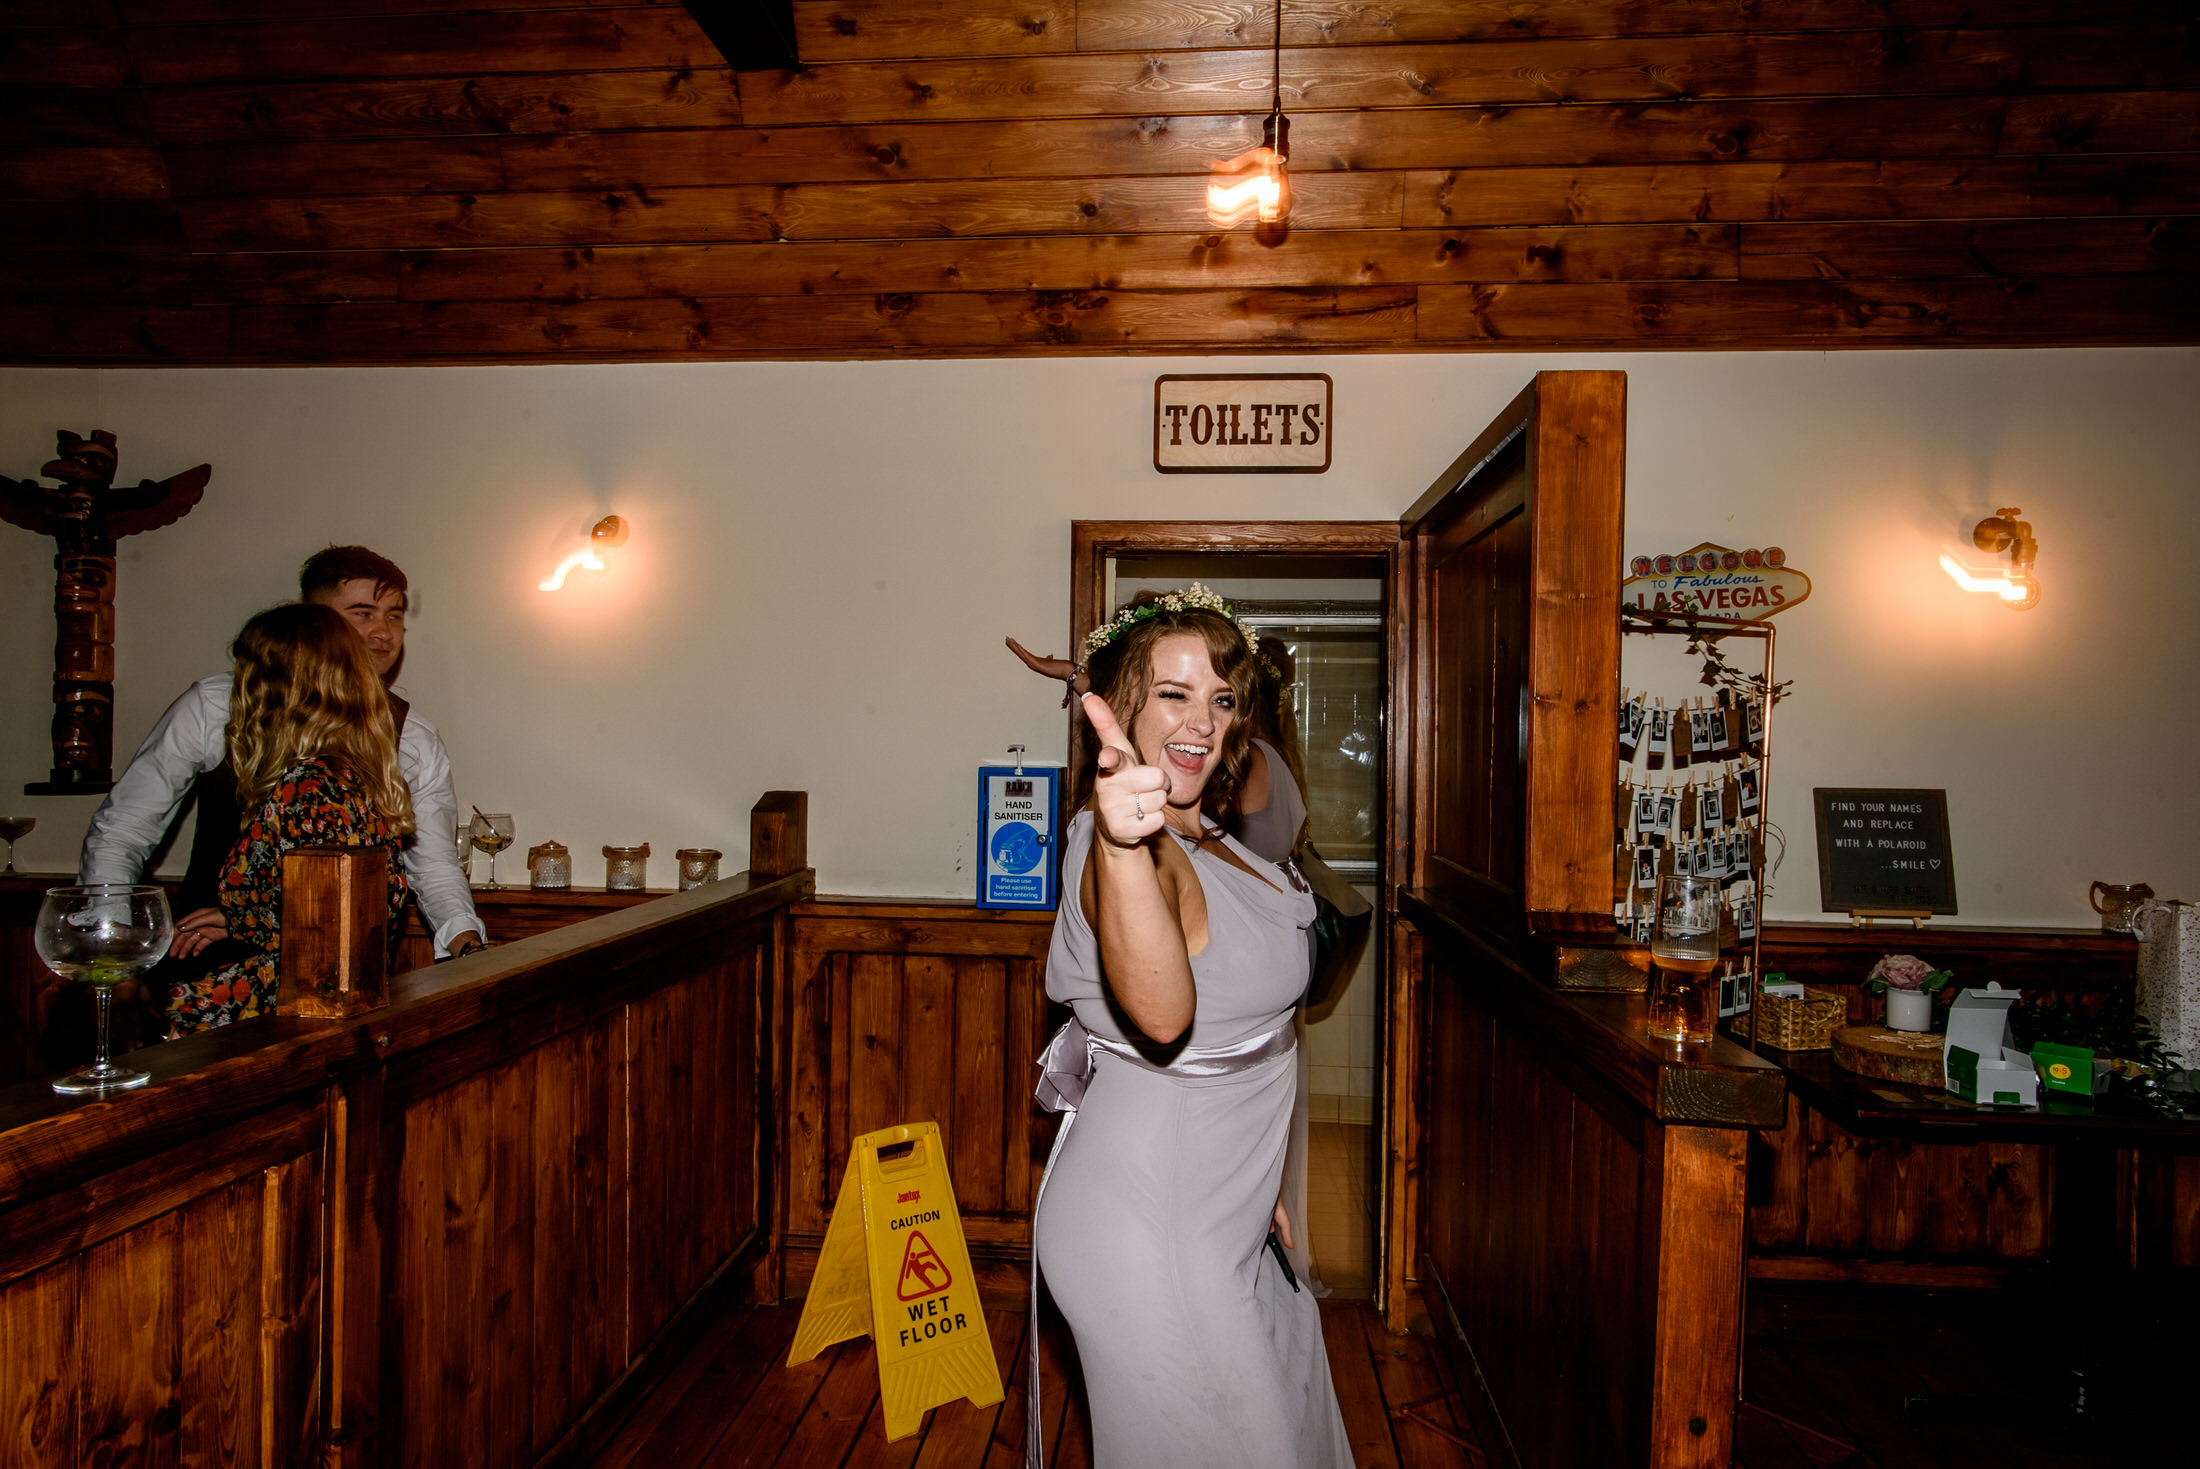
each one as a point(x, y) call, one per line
point(1514, 676)
point(1506, 687)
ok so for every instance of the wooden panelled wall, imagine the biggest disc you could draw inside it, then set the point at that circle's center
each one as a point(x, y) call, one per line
point(915, 1011)
point(256, 181)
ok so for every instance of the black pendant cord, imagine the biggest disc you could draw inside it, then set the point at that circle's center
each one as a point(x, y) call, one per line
point(1275, 92)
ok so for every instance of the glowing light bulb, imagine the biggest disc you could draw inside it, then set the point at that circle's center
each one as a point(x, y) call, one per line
point(1999, 583)
point(1265, 195)
point(609, 531)
point(586, 556)
point(1261, 190)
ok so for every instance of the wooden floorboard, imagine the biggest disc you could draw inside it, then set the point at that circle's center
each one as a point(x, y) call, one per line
point(733, 1401)
point(1827, 1374)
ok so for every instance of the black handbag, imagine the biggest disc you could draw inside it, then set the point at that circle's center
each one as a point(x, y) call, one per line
point(1343, 920)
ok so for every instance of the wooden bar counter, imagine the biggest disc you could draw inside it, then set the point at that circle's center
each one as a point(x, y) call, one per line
point(458, 1229)
point(1581, 1202)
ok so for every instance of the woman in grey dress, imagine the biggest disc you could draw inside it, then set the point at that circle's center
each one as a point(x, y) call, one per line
point(1182, 955)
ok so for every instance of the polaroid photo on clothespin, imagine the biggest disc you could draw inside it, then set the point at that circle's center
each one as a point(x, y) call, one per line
point(1646, 811)
point(1668, 809)
point(1745, 918)
point(1713, 809)
point(1747, 779)
point(1756, 715)
point(1661, 737)
point(1630, 728)
point(1646, 868)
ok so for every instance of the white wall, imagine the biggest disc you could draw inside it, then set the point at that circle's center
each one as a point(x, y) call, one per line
point(825, 557)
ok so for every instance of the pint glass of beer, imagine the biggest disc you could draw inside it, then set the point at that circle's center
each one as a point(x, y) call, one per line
point(1684, 995)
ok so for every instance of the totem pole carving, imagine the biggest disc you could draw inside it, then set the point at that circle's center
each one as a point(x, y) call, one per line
point(85, 514)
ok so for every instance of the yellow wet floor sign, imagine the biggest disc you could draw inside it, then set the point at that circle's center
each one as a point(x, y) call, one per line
point(895, 1265)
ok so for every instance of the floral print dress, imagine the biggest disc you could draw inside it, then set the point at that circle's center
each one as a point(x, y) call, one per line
point(316, 804)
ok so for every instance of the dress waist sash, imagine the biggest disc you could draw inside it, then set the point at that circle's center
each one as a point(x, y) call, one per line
point(1065, 1070)
point(1065, 1066)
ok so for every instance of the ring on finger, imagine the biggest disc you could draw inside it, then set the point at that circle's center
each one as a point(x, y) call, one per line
point(1138, 808)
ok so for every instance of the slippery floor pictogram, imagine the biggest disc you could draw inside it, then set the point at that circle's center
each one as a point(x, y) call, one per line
point(923, 1272)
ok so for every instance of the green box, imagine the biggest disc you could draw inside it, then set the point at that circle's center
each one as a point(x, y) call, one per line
point(2064, 1068)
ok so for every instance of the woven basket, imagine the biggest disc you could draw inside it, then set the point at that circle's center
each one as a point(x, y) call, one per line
point(1807, 1024)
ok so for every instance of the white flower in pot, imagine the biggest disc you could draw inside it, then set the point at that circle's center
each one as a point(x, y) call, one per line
point(1909, 984)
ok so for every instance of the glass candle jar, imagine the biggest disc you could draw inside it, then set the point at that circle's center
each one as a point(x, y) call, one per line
point(549, 866)
point(625, 868)
point(698, 865)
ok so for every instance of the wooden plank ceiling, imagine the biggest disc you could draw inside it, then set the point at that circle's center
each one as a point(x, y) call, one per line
point(264, 181)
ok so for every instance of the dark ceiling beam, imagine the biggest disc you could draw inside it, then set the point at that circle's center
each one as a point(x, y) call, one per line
point(753, 35)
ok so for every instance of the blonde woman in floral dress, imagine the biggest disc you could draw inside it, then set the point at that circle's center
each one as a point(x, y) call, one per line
point(314, 747)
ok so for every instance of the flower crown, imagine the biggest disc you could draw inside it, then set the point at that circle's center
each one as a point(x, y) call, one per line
point(1196, 597)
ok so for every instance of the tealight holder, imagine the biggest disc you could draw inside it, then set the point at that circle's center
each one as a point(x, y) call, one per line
point(549, 867)
point(698, 865)
point(625, 868)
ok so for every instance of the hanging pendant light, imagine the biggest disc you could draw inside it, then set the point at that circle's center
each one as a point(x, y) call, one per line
point(1262, 191)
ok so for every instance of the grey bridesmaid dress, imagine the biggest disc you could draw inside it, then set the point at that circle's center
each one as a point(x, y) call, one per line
point(1152, 1225)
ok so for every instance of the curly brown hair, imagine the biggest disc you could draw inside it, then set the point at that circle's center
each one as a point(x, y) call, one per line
point(1122, 674)
point(305, 687)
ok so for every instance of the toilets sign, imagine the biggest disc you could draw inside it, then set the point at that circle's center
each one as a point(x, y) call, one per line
point(1268, 423)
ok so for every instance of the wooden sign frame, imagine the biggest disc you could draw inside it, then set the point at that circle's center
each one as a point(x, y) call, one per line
point(1934, 821)
point(1242, 423)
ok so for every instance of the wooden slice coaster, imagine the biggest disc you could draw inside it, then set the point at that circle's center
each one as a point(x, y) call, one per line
point(1890, 1055)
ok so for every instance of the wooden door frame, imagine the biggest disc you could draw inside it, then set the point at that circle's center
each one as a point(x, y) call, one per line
point(1093, 542)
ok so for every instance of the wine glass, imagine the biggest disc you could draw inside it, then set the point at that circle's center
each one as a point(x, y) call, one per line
point(1684, 945)
point(492, 833)
point(102, 934)
point(12, 827)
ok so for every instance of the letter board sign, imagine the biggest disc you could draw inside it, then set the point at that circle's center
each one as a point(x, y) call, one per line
point(1884, 849)
point(1019, 864)
point(1216, 423)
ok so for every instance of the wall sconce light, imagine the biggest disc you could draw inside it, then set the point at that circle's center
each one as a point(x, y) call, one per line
point(2018, 587)
point(609, 531)
point(1262, 192)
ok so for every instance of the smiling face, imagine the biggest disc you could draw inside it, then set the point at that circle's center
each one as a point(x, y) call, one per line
point(377, 616)
point(1188, 711)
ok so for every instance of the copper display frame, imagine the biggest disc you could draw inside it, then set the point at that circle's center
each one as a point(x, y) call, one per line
point(1693, 624)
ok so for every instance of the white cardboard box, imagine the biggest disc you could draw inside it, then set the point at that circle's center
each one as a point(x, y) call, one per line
point(1978, 1023)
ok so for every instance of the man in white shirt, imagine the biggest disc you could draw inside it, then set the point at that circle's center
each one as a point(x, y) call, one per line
point(191, 740)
